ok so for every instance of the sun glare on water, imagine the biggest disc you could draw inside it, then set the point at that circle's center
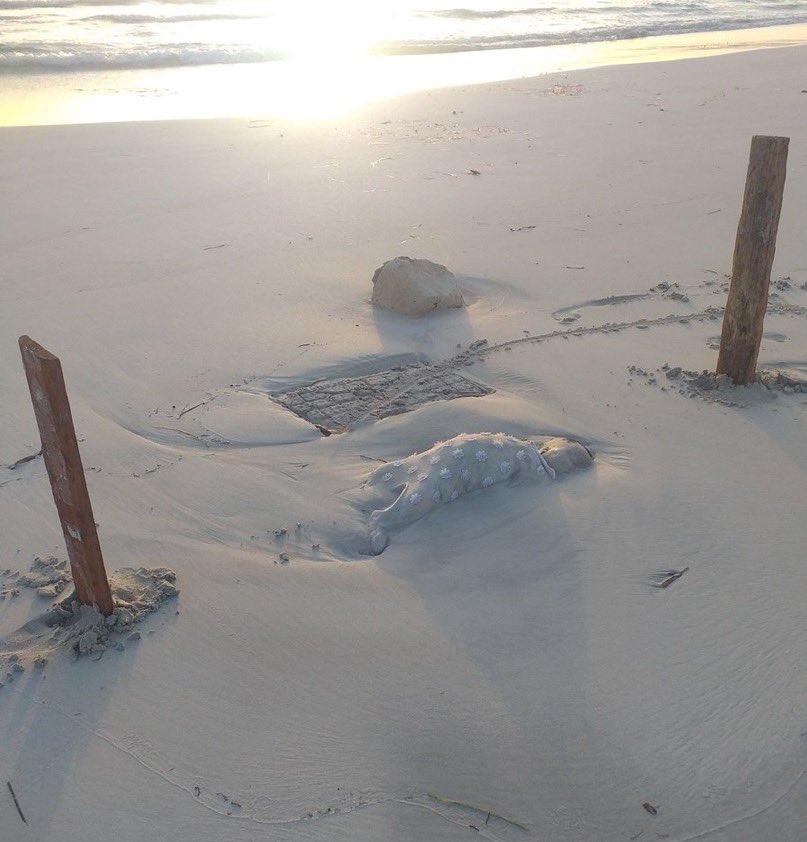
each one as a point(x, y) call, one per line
point(326, 47)
point(288, 59)
point(323, 31)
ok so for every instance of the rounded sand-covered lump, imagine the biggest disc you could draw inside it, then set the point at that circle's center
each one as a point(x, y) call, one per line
point(455, 467)
point(414, 287)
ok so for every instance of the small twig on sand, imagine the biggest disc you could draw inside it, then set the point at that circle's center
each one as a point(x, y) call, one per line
point(666, 578)
point(184, 433)
point(195, 406)
point(16, 803)
point(14, 465)
point(450, 802)
point(372, 458)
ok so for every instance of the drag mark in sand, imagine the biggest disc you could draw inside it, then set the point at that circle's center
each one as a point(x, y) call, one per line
point(480, 348)
point(228, 806)
point(341, 404)
point(408, 387)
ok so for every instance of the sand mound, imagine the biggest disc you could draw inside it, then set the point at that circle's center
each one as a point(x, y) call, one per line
point(414, 287)
point(69, 625)
point(415, 486)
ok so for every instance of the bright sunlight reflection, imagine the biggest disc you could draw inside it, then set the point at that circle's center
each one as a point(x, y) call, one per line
point(330, 70)
point(323, 33)
point(326, 45)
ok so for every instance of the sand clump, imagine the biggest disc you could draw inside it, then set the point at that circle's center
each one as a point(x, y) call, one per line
point(69, 625)
point(414, 287)
point(670, 291)
point(48, 576)
point(718, 388)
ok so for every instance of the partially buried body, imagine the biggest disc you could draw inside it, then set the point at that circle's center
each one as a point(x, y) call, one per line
point(465, 463)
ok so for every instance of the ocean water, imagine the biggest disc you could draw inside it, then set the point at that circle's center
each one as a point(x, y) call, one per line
point(66, 36)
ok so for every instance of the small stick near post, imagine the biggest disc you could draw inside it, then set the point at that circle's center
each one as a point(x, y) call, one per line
point(63, 462)
point(16, 803)
point(753, 258)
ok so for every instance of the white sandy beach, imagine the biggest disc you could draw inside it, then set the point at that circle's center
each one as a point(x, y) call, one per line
point(504, 668)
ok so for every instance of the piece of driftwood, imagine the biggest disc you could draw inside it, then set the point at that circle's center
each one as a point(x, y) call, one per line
point(754, 249)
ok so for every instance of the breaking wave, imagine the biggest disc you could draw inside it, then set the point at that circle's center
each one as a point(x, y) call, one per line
point(27, 58)
point(41, 36)
point(577, 36)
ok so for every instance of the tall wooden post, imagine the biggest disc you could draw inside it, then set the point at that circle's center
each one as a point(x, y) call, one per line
point(62, 459)
point(753, 258)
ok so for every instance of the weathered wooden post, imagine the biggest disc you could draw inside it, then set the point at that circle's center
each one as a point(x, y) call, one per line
point(753, 258)
point(63, 461)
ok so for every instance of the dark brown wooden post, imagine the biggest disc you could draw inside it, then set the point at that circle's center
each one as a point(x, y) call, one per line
point(753, 258)
point(62, 459)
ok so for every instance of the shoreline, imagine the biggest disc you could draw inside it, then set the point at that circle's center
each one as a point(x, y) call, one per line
point(308, 91)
